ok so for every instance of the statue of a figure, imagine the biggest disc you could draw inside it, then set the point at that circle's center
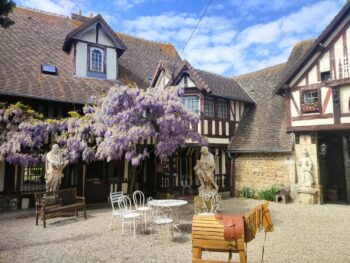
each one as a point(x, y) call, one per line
point(54, 166)
point(305, 177)
point(204, 169)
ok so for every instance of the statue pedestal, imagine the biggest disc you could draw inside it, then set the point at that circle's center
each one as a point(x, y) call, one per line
point(307, 195)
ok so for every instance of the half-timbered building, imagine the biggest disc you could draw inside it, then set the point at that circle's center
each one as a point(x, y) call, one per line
point(221, 104)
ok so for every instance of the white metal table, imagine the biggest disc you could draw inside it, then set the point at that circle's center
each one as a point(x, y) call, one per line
point(169, 203)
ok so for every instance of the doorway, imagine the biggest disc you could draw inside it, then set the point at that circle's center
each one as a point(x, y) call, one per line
point(335, 166)
point(96, 183)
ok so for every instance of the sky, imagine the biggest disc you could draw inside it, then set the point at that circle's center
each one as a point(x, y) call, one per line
point(234, 37)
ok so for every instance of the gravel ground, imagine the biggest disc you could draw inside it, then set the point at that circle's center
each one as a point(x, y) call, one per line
point(302, 234)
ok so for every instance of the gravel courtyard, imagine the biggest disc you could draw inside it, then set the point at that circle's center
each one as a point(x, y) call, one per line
point(302, 234)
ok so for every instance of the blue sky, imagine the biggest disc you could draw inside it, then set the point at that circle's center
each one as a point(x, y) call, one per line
point(235, 37)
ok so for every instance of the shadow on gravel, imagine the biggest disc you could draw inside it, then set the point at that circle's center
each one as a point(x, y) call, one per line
point(59, 241)
point(180, 239)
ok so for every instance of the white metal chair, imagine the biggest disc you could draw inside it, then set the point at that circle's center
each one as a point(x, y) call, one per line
point(129, 216)
point(115, 196)
point(141, 205)
point(210, 204)
point(164, 216)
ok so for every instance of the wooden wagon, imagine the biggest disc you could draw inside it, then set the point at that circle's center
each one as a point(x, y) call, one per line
point(208, 234)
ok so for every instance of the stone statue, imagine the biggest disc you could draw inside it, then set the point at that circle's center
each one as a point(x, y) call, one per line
point(305, 176)
point(204, 169)
point(54, 166)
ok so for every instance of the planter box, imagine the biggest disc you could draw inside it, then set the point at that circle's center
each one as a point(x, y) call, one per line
point(309, 108)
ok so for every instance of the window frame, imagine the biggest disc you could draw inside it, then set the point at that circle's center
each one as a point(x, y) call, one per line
point(93, 73)
point(33, 178)
point(310, 107)
point(220, 114)
point(198, 100)
point(206, 110)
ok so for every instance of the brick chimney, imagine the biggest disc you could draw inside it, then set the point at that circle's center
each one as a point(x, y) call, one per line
point(80, 17)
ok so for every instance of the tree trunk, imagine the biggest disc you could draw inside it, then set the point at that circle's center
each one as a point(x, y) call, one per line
point(134, 171)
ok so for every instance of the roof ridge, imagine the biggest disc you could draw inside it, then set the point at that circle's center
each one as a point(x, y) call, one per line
point(144, 39)
point(42, 11)
point(218, 75)
point(259, 70)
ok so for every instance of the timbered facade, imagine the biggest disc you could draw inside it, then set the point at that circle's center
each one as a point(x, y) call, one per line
point(317, 94)
point(220, 103)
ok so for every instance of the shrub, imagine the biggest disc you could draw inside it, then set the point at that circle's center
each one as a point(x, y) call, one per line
point(246, 192)
point(268, 194)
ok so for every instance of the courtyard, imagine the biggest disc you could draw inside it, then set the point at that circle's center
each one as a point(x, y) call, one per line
point(302, 233)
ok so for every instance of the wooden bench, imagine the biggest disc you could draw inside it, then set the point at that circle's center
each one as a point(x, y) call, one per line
point(57, 201)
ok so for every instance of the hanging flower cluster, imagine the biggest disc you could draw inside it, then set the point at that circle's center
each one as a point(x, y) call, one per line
point(119, 124)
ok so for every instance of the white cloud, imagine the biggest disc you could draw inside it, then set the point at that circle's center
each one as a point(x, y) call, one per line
point(64, 7)
point(218, 45)
point(127, 4)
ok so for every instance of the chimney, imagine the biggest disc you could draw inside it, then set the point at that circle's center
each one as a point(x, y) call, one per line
point(79, 12)
point(80, 17)
point(91, 15)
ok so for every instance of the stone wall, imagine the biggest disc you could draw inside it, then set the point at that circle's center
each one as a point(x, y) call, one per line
point(262, 171)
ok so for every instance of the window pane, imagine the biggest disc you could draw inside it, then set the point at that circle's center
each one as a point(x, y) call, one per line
point(222, 109)
point(191, 103)
point(96, 59)
point(209, 107)
point(310, 97)
point(33, 178)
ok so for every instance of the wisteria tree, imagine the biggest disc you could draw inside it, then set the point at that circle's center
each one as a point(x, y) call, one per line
point(114, 126)
point(118, 125)
point(22, 134)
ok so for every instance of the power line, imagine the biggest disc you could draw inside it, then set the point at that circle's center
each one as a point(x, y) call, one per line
point(194, 29)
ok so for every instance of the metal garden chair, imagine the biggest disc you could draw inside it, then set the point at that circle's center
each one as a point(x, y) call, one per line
point(141, 205)
point(128, 215)
point(115, 196)
point(210, 204)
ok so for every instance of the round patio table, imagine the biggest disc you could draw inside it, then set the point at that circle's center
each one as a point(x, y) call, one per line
point(170, 203)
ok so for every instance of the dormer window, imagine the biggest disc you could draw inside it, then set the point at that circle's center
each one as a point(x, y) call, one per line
point(96, 59)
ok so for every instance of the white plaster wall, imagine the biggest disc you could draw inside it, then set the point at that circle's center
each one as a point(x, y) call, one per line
point(218, 140)
point(344, 93)
point(345, 119)
point(227, 129)
point(324, 62)
point(111, 64)
point(205, 127)
point(213, 127)
point(324, 91)
point(313, 122)
point(90, 36)
point(104, 39)
point(338, 53)
point(217, 165)
point(293, 110)
point(81, 59)
point(313, 75)
point(2, 175)
point(302, 82)
point(232, 111)
point(237, 112)
point(220, 127)
point(223, 162)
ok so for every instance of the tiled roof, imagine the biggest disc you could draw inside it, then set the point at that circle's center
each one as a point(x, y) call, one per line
point(224, 87)
point(37, 38)
point(208, 82)
point(140, 60)
point(263, 127)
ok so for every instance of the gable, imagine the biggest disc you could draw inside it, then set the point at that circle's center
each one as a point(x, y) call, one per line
point(295, 72)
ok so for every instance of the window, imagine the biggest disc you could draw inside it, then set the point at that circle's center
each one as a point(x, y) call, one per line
point(191, 103)
point(326, 75)
point(222, 109)
point(310, 101)
point(209, 107)
point(96, 59)
point(33, 178)
point(310, 97)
